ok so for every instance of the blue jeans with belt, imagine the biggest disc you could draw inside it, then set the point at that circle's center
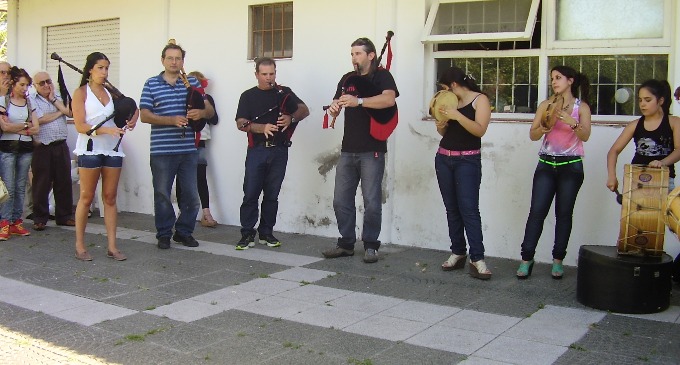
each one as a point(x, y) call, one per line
point(265, 170)
point(164, 168)
point(459, 179)
point(367, 168)
point(561, 181)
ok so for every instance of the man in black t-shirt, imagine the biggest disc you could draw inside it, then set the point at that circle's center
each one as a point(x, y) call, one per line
point(362, 157)
point(268, 113)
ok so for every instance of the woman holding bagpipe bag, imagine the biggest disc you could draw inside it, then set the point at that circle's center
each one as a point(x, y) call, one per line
point(19, 123)
point(97, 150)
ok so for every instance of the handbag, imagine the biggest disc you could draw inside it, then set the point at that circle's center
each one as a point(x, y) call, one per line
point(4, 194)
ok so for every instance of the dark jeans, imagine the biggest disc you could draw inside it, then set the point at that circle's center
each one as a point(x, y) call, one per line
point(459, 179)
point(265, 170)
point(51, 167)
point(164, 168)
point(563, 183)
point(367, 167)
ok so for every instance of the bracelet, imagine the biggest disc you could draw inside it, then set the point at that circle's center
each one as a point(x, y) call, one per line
point(575, 126)
point(94, 132)
point(53, 100)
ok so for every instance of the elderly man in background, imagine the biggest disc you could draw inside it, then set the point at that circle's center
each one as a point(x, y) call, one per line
point(51, 162)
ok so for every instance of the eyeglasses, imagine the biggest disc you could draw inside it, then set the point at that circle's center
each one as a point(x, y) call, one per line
point(4, 72)
point(176, 59)
point(42, 83)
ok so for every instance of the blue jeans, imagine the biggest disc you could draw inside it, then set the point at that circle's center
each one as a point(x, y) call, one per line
point(14, 171)
point(563, 183)
point(164, 168)
point(265, 170)
point(367, 167)
point(459, 179)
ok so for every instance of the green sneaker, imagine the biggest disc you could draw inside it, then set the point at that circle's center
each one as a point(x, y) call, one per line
point(269, 240)
point(247, 241)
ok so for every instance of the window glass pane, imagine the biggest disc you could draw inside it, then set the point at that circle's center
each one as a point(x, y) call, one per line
point(611, 19)
point(490, 16)
point(607, 74)
point(511, 83)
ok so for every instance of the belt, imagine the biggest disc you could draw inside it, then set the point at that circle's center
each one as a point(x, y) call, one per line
point(273, 144)
point(56, 143)
point(559, 160)
point(445, 152)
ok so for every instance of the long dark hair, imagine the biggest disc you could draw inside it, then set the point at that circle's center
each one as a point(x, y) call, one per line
point(368, 48)
point(660, 89)
point(580, 83)
point(455, 74)
point(91, 60)
point(15, 74)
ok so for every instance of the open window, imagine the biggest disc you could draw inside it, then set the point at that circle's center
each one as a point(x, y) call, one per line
point(480, 20)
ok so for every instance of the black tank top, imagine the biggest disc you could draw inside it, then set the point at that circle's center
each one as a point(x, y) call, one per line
point(653, 145)
point(457, 138)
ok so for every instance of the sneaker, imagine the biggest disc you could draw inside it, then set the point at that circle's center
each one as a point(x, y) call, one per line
point(337, 251)
point(164, 243)
point(371, 256)
point(17, 228)
point(247, 241)
point(269, 240)
point(188, 241)
point(4, 230)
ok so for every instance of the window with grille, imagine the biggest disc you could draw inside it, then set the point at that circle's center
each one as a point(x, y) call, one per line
point(609, 74)
point(511, 83)
point(509, 46)
point(271, 32)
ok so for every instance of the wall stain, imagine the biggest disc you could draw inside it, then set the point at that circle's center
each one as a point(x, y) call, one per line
point(327, 162)
point(323, 222)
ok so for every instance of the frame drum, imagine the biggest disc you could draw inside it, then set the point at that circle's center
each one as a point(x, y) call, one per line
point(642, 210)
point(443, 98)
point(673, 211)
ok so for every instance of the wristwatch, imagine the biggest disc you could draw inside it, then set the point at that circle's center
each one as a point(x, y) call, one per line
point(26, 125)
point(53, 100)
point(360, 101)
point(94, 133)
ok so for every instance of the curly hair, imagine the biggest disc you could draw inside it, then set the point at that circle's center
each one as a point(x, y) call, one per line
point(15, 74)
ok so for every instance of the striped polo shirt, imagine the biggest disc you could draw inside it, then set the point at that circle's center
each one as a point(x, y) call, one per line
point(164, 99)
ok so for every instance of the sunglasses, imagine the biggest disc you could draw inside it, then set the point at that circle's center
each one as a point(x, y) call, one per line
point(42, 83)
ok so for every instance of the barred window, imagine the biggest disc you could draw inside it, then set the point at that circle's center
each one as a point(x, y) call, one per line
point(609, 74)
point(271, 30)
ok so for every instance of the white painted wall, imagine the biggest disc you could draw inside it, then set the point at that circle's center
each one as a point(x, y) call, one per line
point(413, 215)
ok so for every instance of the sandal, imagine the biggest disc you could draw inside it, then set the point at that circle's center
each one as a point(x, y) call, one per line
point(479, 270)
point(208, 222)
point(84, 256)
point(118, 256)
point(524, 270)
point(454, 262)
point(557, 270)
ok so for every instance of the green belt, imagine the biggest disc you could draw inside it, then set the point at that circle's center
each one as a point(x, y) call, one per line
point(560, 163)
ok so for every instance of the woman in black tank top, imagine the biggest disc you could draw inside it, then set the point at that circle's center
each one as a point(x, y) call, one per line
point(656, 134)
point(458, 165)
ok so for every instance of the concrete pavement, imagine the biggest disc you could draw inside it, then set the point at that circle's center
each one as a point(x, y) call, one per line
point(287, 305)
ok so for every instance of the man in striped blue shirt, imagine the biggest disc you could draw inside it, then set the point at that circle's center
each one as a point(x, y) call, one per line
point(173, 150)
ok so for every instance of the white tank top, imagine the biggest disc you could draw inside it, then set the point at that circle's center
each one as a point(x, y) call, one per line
point(95, 112)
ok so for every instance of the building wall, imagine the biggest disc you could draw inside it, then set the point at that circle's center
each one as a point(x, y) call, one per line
point(214, 33)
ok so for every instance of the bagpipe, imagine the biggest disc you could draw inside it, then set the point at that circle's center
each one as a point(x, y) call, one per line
point(194, 100)
point(124, 107)
point(383, 121)
point(282, 96)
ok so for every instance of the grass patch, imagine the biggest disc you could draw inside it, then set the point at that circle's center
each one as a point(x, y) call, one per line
point(354, 361)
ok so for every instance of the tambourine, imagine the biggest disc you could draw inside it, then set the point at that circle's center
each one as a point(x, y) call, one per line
point(552, 112)
point(442, 99)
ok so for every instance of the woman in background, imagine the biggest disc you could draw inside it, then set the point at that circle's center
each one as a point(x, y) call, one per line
point(19, 123)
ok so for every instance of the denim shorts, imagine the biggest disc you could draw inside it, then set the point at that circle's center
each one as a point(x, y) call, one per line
point(98, 161)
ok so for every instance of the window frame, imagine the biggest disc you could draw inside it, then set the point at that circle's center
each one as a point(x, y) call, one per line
point(551, 48)
point(427, 36)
